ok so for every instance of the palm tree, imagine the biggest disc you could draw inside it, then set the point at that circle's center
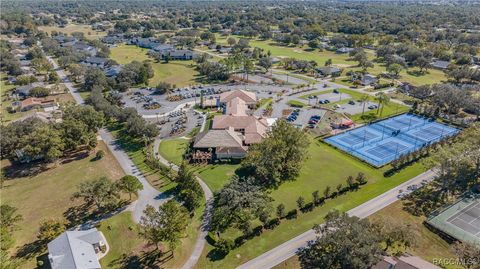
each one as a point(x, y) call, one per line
point(364, 98)
point(382, 100)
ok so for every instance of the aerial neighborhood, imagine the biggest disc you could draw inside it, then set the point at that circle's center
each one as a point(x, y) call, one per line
point(246, 134)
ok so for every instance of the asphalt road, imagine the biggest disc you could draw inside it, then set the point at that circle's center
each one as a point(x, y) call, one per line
point(288, 249)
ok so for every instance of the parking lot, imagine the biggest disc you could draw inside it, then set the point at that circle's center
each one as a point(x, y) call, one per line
point(303, 116)
point(178, 123)
point(355, 108)
point(137, 98)
point(332, 97)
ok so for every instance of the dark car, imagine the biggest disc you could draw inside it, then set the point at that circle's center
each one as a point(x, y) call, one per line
point(351, 102)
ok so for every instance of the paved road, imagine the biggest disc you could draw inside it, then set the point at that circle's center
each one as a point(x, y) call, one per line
point(149, 195)
point(201, 238)
point(288, 249)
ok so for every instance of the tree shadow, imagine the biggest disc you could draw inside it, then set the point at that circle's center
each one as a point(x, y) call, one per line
point(216, 255)
point(76, 215)
point(16, 170)
point(417, 73)
point(154, 259)
point(31, 250)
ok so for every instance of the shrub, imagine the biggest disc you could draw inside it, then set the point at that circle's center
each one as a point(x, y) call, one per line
point(281, 211)
point(100, 154)
point(292, 214)
point(224, 245)
point(300, 202)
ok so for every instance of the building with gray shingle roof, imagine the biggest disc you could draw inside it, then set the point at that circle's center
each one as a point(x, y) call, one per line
point(76, 250)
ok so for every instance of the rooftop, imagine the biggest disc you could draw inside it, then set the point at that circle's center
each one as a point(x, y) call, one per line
point(74, 249)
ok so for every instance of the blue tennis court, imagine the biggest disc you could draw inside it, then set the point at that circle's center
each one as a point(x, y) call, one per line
point(384, 141)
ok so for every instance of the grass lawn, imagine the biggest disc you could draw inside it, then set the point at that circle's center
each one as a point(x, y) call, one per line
point(129, 250)
point(427, 244)
point(71, 28)
point(325, 166)
point(214, 175)
point(124, 54)
point(173, 149)
point(180, 73)
point(295, 52)
point(296, 103)
point(47, 194)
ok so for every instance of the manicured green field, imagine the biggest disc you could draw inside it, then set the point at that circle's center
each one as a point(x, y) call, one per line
point(46, 195)
point(180, 73)
point(296, 103)
point(214, 175)
point(325, 166)
point(71, 28)
point(173, 149)
point(124, 54)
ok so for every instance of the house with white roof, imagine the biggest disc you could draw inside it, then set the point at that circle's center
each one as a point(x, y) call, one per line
point(76, 250)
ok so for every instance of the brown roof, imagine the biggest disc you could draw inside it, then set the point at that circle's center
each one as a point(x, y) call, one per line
point(30, 102)
point(248, 97)
point(237, 107)
point(218, 138)
point(250, 124)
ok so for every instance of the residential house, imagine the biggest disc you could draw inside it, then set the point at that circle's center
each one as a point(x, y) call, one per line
point(326, 71)
point(406, 87)
point(178, 55)
point(95, 62)
point(147, 42)
point(64, 39)
point(169, 51)
point(24, 91)
point(438, 64)
point(224, 50)
point(76, 250)
point(344, 50)
point(368, 79)
point(113, 71)
point(404, 262)
point(112, 39)
point(32, 103)
point(84, 47)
